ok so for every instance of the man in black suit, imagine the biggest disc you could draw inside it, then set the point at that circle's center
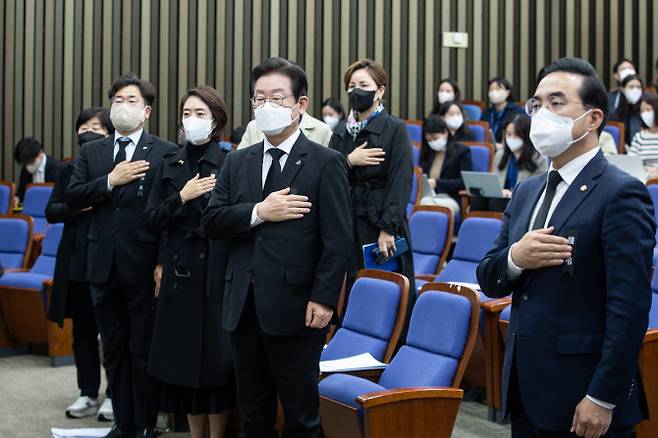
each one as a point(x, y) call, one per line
point(113, 176)
point(283, 204)
point(36, 166)
point(575, 250)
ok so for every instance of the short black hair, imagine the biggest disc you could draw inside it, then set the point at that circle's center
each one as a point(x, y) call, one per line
point(145, 87)
point(334, 104)
point(615, 67)
point(651, 99)
point(103, 115)
point(592, 91)
point(502, 81)
point(237, 134)
point(26, 150)
point(285, 67)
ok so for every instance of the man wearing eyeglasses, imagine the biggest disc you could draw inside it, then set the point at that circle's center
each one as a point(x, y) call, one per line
point(575, 251)
point(283, 205)
point(113, 178)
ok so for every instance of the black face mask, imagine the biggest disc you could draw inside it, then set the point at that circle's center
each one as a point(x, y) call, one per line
point(361, 100)
point(88, 136)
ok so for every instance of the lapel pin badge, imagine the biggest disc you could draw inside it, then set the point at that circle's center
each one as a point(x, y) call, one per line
point(299, 162)
point(144, 147)
point(583, 188)
point(180, 162)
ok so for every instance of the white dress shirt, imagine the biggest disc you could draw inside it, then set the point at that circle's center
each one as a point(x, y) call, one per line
point(286, 146)
point(569, 172)
point(40, 175)
point(130, 149)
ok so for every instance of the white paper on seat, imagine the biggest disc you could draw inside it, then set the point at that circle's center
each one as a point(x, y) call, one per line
point(361, 362)
point(80, 433)
point(474, 286)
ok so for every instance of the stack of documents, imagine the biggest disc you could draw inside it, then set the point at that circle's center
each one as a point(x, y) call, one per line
point(361, 362)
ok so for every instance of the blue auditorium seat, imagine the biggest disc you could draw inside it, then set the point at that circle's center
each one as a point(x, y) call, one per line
point(6, 197)
point(34, 205)
point(431, 233)
point(16, 232)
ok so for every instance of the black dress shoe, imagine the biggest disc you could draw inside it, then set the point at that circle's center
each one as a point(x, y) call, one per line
point(115, 432)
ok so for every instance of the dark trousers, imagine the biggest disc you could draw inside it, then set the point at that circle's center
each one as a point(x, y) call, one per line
point(125, 320)
point(269, 366)
point(523, 427)
point(85, 338)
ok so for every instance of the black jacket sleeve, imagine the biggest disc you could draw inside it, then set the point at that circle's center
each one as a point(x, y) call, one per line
point(56, 209)
point(335, 232)
point(398, 181)
point(222, 219)
point(83, 192)
point(162, 209)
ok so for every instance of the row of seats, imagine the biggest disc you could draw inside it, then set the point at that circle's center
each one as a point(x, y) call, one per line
point(34, 202)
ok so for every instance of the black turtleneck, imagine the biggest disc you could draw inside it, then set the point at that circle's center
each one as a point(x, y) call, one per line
point(194, 154)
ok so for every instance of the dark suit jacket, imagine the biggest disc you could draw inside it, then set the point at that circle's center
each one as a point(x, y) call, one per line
point(71, 260)
point(286, 263)
point(117, 234)
point(580, 334)
point(50, 174)
point(189, 347)
point(457, 158)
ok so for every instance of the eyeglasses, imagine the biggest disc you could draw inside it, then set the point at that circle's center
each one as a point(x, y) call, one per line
point(276, 100)
point(555, 104)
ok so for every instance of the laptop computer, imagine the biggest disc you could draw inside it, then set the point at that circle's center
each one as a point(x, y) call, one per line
point(482, 184)
point(426, 188)
point(631, 164)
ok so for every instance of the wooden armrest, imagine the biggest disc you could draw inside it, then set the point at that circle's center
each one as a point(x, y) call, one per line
point(427, 277)
point(379, 398)
point(497, 305)
point(48, 283)
point(16, 270)
point(651, 335)
point(38, 237)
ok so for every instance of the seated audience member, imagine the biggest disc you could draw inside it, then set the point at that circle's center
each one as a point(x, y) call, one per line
point(453, 114)
point(628, 110)
point(645, 142)
point(442, 160)
point(71, 295)
point(607, 143)
point(515, 162)
point(333, 112)
point(622, 68)
point(446, 91)
point(237, 134)
point(314, 129)
point(502, 107)
point(36, 166)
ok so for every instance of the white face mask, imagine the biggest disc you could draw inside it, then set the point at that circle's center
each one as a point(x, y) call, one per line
point(331, 121)
point(454, 122)
point(126, 117)
point(197, 130)
point(514, 143)
point(438, 145)
point(550, 133)
point(33, 167)
point(498, 96)
point(273, 120)
point(648, 118)
point(633, 95)
point(445, 96)
point(624, 73)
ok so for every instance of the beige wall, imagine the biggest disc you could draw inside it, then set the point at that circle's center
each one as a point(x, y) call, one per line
point(61, 55)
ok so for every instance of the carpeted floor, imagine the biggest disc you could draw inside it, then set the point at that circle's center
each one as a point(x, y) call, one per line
point(33, 397)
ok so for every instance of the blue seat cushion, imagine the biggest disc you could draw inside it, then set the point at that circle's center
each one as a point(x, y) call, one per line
point(480, 157)
point(413, 367)
point(425, 263)
point(372, 307)
point(476, 237)
point(506, 313)
point(11, 260)
point(25, 280)
point(653, 313)
point(459, 270)
point(346, 343)
point(345, 388)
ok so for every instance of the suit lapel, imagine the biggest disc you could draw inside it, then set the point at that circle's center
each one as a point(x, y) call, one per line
point(580, 189)
point(532, 199)
point(208, 164)
point(107, 154)
point(295, 161)
point(255, 172)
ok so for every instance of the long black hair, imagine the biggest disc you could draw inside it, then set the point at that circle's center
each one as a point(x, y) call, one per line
point(433, 124)
point(528, 155)
point(625, 108)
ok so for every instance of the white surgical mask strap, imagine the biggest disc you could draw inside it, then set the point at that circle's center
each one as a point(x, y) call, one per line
point(586, 132)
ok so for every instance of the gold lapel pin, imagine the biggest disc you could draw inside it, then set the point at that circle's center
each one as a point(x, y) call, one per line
point(583, 188)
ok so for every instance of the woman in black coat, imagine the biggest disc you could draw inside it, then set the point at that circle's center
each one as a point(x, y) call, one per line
point(443, 160)
point(71, 296)
point(378, 153)
point(190, 354)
